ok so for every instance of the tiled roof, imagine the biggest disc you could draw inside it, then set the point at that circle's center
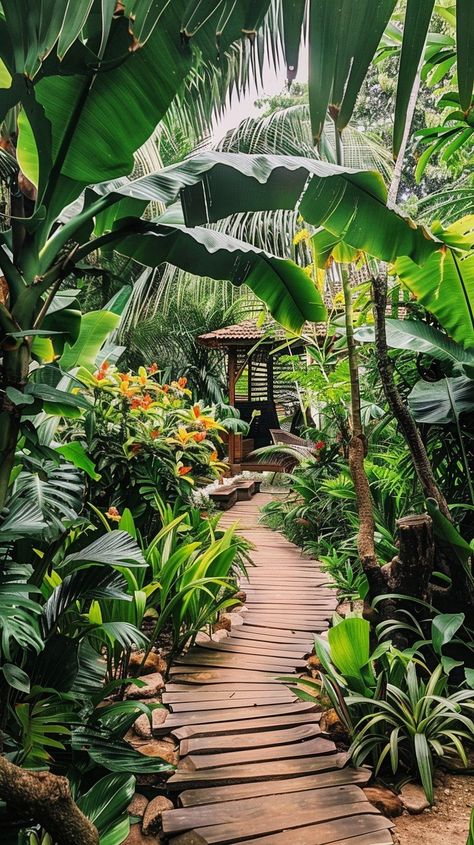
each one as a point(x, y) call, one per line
point(246, 333)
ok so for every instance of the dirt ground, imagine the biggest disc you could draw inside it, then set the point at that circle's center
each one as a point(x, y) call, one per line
point(447, 822)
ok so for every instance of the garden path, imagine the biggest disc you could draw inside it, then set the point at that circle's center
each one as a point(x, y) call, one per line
point(255, 768)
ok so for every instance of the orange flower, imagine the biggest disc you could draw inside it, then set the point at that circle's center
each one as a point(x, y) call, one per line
point(124, 377)
point(146, 401)
point(105, 366)
point(135, 403)
point(182, 382)
point(213, 456)
point(196, 411)
point(152, 369)
point(199, 436)
point(184, 470)
point(154, 434)
point(165, 388)
point(113, 514)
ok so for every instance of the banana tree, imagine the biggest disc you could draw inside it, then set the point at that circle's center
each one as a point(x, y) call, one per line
point(64, 92)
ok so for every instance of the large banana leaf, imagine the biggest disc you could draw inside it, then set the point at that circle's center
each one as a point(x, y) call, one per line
point(442, 402)
point(288, 292)
point(419, 337)
point(445, 286)
point(212, 185)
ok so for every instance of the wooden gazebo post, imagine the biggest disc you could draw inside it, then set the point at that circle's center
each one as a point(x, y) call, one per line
point(232, 370)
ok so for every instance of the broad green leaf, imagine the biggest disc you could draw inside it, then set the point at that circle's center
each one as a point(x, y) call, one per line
point(73, 22)
point(95, 328)
point(465, 63)
point(444, 284)
point(349, 644)
point(288, 292)
point(16, 677)
point(417, 19)
point(74, 453)
point(293, 17)
point(420, 337)
point(447, 532)
point(442, 402)
point(443, 629)
point(107, 799)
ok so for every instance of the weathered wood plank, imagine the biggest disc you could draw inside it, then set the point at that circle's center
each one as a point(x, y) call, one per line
point(327, 833)
point(249, 700)
point(261, 739)
point(268, 770)
point(197, 717)
point(216, 794)
point(189, 818)
point(308, 748)
point(340, 815)
point(268, 723)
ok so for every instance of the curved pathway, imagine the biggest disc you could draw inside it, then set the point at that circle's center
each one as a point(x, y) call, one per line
point(255, 768)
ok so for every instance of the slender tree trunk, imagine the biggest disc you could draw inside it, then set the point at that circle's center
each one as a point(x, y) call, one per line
point(357, 453)
point(46, 798)
point(399, 409)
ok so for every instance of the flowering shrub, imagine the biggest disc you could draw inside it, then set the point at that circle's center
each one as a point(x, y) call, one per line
point(146, 438)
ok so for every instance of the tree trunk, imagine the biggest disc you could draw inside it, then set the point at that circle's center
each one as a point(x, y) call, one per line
point(357, 453)
point(410, 571)
point(399, 409)
point(46, 798)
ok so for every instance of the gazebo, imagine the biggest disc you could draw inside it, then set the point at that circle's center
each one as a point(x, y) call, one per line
point(252, 366)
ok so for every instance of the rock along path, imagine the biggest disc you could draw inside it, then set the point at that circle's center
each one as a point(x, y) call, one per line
point(255, 768)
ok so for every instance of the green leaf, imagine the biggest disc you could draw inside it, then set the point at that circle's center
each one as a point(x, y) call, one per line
point(425, 764)
point(107, 799)
point(417, 20)
point(16, 677)
point(419, 337)
point(18, 397)
point(442, 402)
point(73, 22)
point(74, 453)
point(53, 395)
point(95, 328)
point(349, 644)
point(116, 548)
point(465, 64)
point(288, 292)
point(445, 286)
point(443, 629)
point(446, 531)
point(293, 16)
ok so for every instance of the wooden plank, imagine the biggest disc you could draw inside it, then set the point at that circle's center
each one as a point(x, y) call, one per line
point(261, 739)
point(216, 794)
point(307, 748)
point(249, 772)
point(247, 630)
point(226, 695)
point(209, 675)
point(212, 688)
point(204, 657)
point(269, 723)
point(188, 818)
point(260, 649)
point(197, 717)
point(272, 622)
point(248, 700)
point(262, 824)
point(327, 833)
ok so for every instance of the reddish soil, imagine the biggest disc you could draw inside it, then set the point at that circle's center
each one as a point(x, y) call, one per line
point(447, 822)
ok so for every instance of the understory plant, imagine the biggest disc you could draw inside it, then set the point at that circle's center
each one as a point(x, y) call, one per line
point(399, 711)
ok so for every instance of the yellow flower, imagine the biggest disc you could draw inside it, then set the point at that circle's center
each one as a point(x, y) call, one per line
point(302, 235)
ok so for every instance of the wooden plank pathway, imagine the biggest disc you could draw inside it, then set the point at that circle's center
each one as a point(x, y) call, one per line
point(254, 767)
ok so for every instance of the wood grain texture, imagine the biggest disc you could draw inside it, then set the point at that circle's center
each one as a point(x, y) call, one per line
point(254, 767)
